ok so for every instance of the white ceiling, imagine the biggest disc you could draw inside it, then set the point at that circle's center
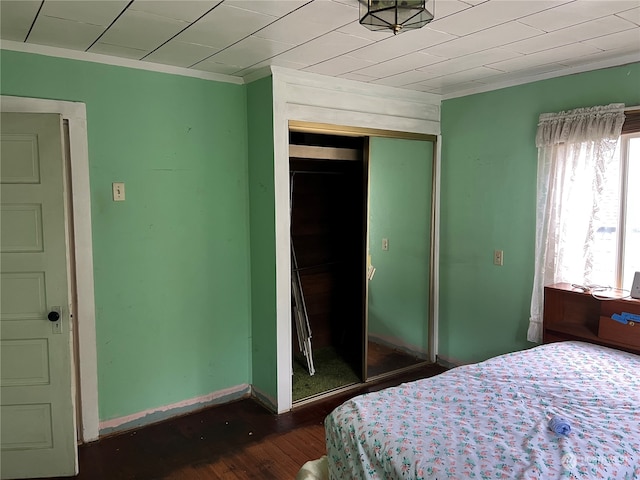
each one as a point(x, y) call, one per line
point(471, 44)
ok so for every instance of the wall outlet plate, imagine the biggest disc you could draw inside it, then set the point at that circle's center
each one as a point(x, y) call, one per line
point(635, 288)
point(498, 257)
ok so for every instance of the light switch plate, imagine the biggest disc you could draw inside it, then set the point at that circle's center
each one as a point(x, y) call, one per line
point(118, 191)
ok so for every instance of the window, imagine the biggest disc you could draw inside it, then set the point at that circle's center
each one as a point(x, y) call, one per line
point(588, 201)
point(617, 240)
point(629, 233)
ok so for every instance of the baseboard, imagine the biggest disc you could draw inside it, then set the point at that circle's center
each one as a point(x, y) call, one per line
point(155, 415)
point(447, 363)
point(397, 344)
point(264, 399)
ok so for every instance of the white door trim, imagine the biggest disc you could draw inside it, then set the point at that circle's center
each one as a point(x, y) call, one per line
point(76, 114)
point(309, 97)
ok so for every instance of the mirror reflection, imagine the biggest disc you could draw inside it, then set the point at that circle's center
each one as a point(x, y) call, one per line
point(399, 246)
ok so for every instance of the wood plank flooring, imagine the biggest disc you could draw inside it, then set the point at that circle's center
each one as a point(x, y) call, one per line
point(383, 359)
point(235, 441)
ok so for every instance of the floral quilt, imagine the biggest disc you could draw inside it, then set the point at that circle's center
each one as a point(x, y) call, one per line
point(491, 420)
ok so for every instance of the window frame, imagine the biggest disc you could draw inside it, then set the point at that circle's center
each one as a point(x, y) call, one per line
point(630, 129)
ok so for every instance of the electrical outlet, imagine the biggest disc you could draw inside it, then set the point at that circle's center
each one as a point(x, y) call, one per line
point(498, 257)
point(385, 244)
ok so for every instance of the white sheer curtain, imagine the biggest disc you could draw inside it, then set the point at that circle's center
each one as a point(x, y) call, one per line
point(575, 153)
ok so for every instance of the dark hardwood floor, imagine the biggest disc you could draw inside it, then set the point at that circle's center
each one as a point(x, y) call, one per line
point(383, 359)
point(239, 440)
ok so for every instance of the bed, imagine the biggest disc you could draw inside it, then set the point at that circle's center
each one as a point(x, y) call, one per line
point(491, 420)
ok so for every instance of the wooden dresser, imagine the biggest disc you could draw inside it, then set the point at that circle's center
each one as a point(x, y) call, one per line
point(570, 314)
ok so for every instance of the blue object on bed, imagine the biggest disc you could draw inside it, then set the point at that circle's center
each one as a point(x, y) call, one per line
point(559, 425)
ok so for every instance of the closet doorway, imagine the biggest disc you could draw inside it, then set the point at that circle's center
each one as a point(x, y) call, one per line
point(361, 225)
point(327, 191)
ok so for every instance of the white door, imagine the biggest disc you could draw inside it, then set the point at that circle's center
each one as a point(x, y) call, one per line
point(38, 433)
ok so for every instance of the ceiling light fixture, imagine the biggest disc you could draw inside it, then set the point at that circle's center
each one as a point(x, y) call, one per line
point(395, 15)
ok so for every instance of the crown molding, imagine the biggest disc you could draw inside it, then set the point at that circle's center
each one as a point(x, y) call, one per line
point(116, 61)
point(611, 62)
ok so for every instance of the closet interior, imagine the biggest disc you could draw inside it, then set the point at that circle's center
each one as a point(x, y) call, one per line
point(359, 311)
point(327, 201)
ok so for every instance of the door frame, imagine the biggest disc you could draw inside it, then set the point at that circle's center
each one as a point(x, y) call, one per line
point(367, 134)
point(85, 366)
point(311, 98)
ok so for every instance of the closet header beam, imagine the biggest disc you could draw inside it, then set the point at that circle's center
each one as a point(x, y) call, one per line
point(324, 153)
point(312, 127)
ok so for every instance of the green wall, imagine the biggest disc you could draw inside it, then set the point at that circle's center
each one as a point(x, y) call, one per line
point(263, 242)
point(400, 175)
point(488, 186)
point(185, 268)
point(171, 263)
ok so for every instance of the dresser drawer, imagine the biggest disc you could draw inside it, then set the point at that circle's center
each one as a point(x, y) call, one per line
point(628, 334)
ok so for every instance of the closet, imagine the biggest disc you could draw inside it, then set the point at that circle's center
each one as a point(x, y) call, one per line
point(327, 201)
point(361, 226)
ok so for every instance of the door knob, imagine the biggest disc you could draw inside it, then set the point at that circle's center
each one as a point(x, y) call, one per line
point(53, 316)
